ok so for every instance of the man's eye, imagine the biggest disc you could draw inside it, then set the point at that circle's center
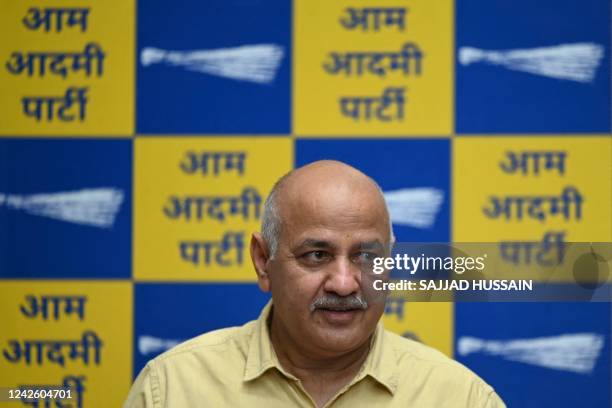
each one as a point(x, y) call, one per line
point(365, 257)
point(315, 256)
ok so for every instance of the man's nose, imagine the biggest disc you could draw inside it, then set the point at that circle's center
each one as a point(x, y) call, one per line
point(344, 277)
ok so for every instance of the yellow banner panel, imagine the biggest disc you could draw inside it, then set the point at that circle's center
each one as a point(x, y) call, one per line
point(546, 189)
point(428, 322)
point(68, 334)
point(382, 68)
point(68, 68)
point(198, 200)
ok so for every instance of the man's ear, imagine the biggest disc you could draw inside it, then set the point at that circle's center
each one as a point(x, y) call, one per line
point(259, 256)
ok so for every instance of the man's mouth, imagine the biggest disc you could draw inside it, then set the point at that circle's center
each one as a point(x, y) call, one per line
point(338, 315)
point(340, 308)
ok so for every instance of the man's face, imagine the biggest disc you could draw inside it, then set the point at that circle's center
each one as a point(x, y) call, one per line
point(315, 277)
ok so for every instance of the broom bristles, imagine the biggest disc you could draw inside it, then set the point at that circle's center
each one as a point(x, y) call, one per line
point(576, 62)
point(255, 63)
point(576, 352)
point(96, 207)
point(415, 207)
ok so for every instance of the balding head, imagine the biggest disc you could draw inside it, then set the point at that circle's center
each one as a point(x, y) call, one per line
point(323, 224)
point(324, 183)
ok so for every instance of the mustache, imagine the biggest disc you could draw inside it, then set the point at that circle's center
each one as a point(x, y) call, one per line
point(335, 302)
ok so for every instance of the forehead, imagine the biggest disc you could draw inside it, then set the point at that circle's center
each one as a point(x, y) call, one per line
point(339, 213)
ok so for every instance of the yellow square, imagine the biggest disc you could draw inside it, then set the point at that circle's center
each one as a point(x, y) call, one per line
point(37, 312)
point(417, 42)
point(87, 83)
point(483, 170)
point(198, 200)
point(428, 322)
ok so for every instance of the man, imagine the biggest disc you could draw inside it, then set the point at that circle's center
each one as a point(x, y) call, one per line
point(319, 342)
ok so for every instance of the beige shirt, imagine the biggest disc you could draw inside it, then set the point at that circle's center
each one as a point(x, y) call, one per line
point(237, 367)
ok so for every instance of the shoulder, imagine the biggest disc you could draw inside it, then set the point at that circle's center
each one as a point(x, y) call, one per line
point(235, 337)
point(234, 340)
point(215, 356)
point(420, 353)
point(428, 369)
point(414, 353)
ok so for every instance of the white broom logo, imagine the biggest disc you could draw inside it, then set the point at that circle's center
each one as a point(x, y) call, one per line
point(574, 62)
point(96, 207)
point(255, 63)
point(150, 344)
point(576, 353)
point(414, 207)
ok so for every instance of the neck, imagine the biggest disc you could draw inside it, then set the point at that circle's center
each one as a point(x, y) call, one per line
point(312, 365)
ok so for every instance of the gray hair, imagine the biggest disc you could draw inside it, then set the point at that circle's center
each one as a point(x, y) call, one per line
point(271, 221)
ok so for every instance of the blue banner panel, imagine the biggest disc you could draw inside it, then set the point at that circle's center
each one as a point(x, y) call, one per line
point(167, 314)
point(538, 354)
point(533, 66)
point(65, 208)
point(214, 67)
point(414, 175)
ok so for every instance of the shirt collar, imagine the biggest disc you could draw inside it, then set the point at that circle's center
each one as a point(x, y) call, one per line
point(261, 355)
point(380, 364)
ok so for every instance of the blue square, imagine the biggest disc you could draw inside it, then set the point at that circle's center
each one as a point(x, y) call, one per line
point(559, 81)
point(166, 314)
point(538, 354)
point(65, 208)
point(219, 67)
point(414, 175)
